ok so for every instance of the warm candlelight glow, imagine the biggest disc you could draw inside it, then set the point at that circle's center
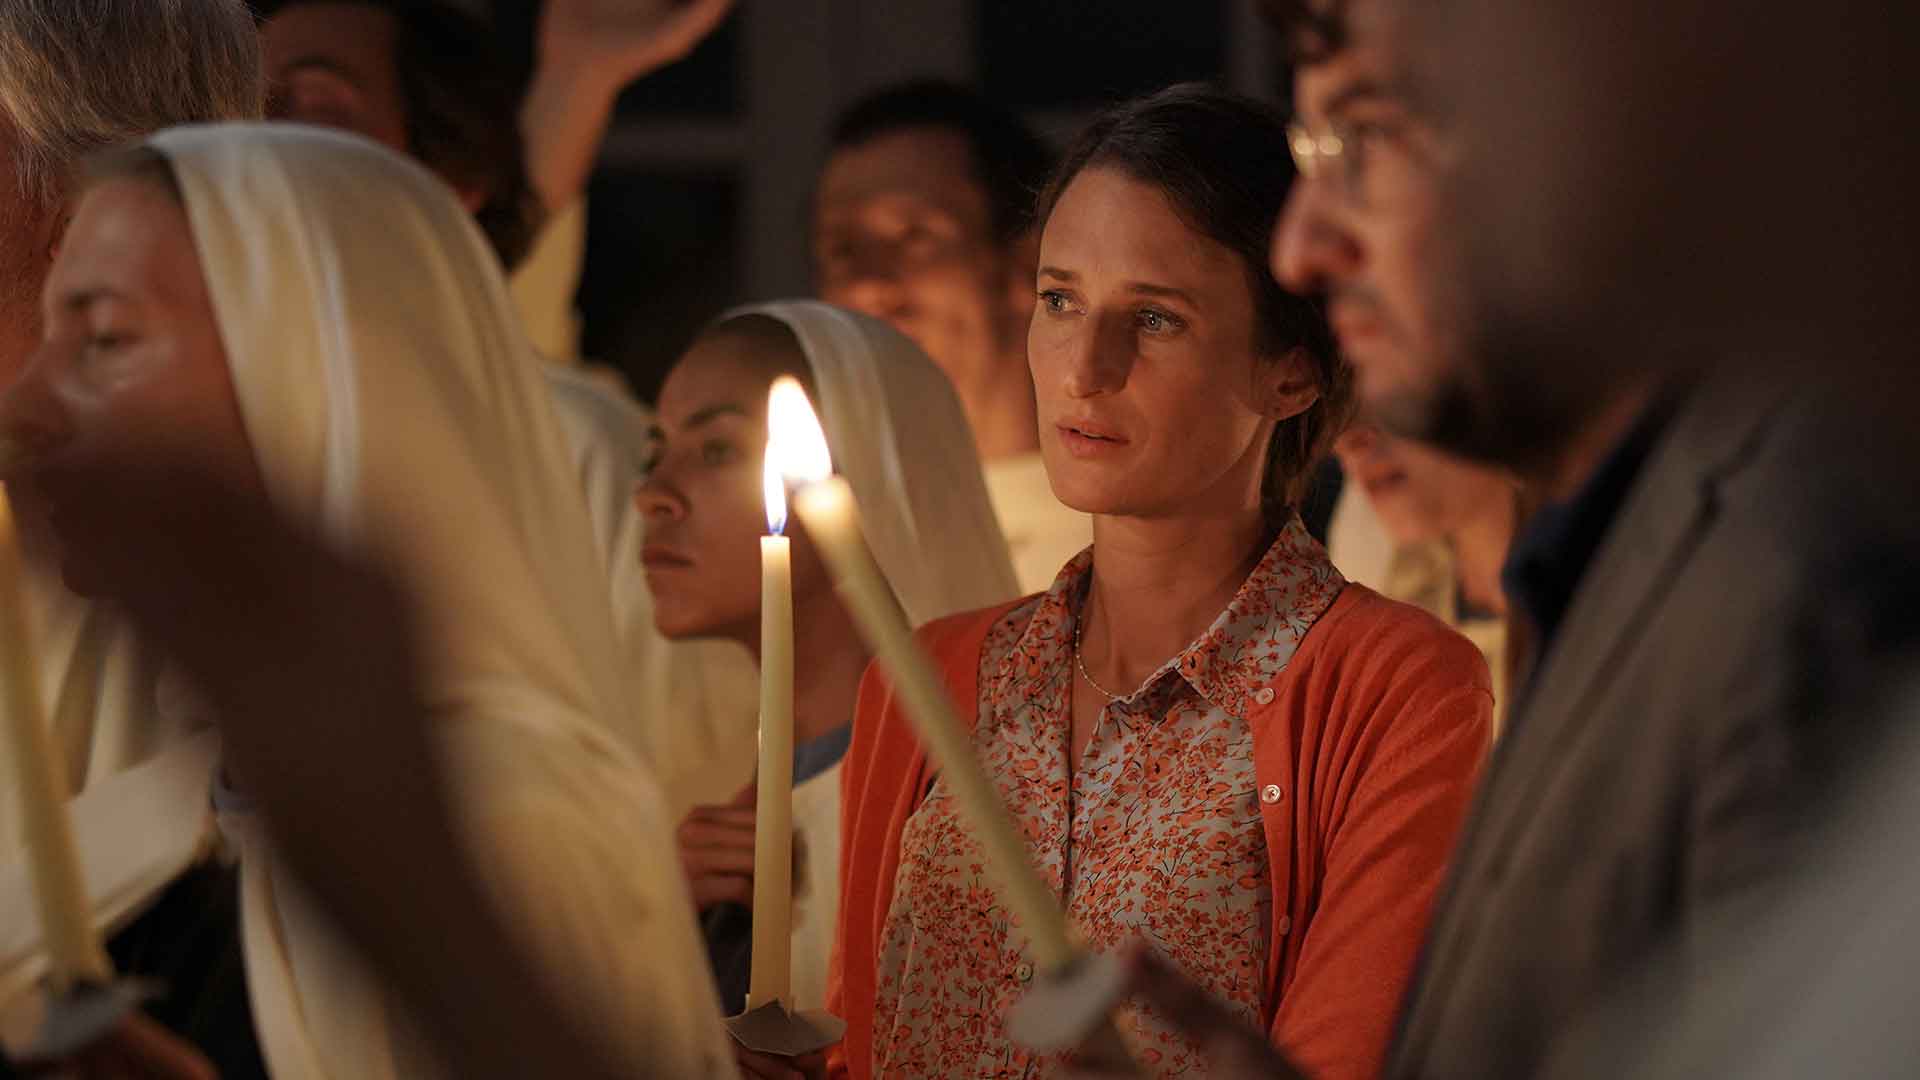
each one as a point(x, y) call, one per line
point(825, 503)
point(775, 484)
point(794, 436)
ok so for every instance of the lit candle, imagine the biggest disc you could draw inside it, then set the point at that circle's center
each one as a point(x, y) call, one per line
point(825, 503)
point(66, 927)
point(772, 978)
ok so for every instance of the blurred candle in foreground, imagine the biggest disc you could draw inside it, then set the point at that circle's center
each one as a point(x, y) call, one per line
point(73, 950)
point(772, 975)
point(825, 503)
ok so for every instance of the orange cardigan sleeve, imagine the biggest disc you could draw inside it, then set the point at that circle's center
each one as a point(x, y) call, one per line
point(1390, 718)
point(882, 781)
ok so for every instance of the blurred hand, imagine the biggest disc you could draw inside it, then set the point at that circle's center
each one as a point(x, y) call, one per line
point(306, 656)
point(716, 851)
point(308, 659)
point(588, 51)
point(138, 1049)
point(621, 40)
point(1232, 1049)
point(771, 1067)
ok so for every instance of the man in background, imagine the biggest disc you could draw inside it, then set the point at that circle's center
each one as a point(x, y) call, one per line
point(1450, 523)
point(923, 217)
point(426, 79)
point(1582, 283)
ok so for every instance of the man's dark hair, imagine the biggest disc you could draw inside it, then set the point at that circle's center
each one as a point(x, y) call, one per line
point(1312, 31)
point(1009, 160)
point(1222, 160)
point(462, 96)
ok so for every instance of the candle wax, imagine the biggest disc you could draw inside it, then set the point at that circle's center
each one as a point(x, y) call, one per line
point(772, 973)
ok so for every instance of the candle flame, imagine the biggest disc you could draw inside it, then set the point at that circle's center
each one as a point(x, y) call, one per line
point(794, 437)
point(775, 487)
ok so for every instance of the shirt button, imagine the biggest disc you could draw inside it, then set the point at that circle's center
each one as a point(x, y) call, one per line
point(1264, 695)
point(1024, 973)
point(1272, 793)
point(1286, 925)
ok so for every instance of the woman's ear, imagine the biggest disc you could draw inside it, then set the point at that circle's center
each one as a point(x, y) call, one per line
point(1287, 386)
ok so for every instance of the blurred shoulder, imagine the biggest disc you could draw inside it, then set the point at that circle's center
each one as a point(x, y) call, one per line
point(968, 630)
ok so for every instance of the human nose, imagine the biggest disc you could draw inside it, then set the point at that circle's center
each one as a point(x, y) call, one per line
point(871, 280)
point(33, 420)
point(1356, 442)
point(658, 498)
point(1312, 247)
point(1098, 360)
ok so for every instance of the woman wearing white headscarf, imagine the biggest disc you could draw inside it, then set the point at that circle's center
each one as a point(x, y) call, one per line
point(324, 323)
point(899, 436)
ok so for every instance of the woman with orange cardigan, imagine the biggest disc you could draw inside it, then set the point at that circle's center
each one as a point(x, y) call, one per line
point(1215, 746)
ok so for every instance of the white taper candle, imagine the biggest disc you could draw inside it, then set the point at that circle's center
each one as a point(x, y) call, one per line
point(825, 505)
point(772, 973)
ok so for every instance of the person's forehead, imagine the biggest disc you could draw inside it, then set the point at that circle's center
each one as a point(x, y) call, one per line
point(1371, 50)
point(356, 38)
point(1110, 224)
point(127, 235)
point(929, 165)
point(718, 369)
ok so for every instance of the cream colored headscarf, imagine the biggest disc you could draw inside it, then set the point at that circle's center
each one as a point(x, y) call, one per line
point(900, 437)
point(392, 403)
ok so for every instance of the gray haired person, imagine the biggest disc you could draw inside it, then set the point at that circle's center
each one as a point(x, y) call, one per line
point(77, 76)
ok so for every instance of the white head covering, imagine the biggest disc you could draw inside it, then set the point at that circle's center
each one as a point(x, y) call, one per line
point(900, 437)
point(393, 402)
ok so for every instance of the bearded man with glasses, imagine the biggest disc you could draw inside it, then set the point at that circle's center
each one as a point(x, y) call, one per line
point(1723, 574)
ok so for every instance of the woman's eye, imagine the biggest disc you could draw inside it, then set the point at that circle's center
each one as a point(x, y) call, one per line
point(1053, 300)
point(1158, 322)
point(716, 453)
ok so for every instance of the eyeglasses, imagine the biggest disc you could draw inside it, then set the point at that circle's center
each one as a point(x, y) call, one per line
point(1368, 165)
point(1324, 154)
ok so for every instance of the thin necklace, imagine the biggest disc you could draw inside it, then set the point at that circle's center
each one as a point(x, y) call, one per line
point(1079, 631)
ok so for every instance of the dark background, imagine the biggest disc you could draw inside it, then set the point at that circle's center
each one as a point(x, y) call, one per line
point(700, 199)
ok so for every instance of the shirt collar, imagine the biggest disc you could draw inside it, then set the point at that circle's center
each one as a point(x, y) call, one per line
point(1247, 647)
point(1550, 556)
point(1234, 664)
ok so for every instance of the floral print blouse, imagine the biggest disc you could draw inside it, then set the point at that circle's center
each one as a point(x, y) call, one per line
point(1156, 837)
